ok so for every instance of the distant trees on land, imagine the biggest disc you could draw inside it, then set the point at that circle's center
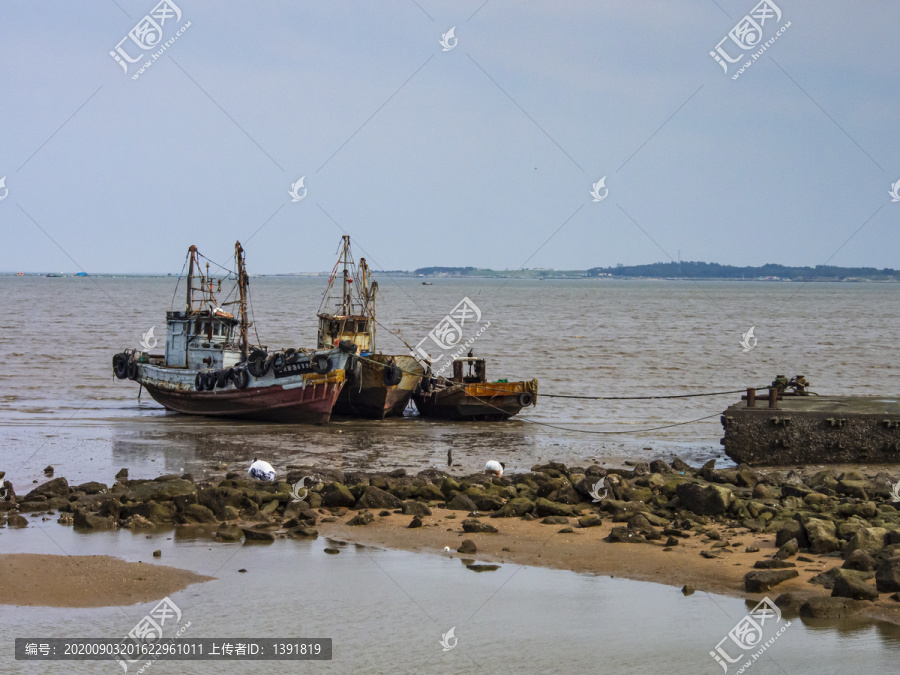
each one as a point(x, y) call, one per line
point(702, 270)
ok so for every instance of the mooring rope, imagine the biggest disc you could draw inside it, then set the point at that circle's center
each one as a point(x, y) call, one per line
point(643, 398)
point(582, 431)
point(589, 431)
point(486, 385)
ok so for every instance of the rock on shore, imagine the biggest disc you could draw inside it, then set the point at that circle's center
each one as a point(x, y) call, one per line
point(822, 512)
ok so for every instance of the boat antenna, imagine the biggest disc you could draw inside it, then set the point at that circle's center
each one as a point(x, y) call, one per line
point(368, 295)
point(346, 304)
point(192, 254)
point(242, 287)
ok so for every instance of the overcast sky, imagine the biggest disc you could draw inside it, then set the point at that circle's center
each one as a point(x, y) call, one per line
point(484, 154)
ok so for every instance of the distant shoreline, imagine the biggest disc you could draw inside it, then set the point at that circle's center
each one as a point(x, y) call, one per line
point(524, 275)
point(659, 271)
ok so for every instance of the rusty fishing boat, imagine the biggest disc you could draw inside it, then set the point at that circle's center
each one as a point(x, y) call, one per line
point(379, 385)
point(469, 396)
point(210, 368)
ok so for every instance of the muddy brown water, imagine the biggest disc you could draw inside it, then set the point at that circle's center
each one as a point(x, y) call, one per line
point(60, 405)
point(387, 610)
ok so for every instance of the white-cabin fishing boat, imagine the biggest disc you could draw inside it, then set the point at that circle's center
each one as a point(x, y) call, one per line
point(210, 368)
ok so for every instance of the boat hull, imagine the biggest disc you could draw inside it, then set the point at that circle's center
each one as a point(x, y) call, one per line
point(307, 398)
point(487, 401)
point(369, 397)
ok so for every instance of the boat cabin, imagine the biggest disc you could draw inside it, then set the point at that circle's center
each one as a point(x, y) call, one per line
point(357, 329)
point(354, 312)
point(202, 340)
point(469, 370)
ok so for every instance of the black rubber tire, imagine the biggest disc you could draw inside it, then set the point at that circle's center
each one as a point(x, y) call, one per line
point(133, 370)
point(240, 377)
point(120, 366)
point(526, 398)
point(222, 377)
point(321, 364)
point(257, 364)
point(392, 375)
point(200, 382)
point(291, 355)
point(347, 346)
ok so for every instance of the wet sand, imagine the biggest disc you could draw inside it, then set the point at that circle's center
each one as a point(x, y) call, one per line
point(584, 551)
point(86, 581)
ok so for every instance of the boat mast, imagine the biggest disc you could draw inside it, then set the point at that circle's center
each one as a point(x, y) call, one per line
point(346, 304)
point(242, 286)
point(192, 252)
point(372, 314)
point(368, 301)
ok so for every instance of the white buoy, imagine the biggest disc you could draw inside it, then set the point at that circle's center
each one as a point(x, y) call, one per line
point(262, 471)
point(494, 467)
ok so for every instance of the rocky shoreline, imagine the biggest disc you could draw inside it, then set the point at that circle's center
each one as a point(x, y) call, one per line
point(826, 541)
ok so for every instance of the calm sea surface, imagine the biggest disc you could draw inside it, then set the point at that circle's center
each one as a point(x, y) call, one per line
point(386, 610)
point(60, 405)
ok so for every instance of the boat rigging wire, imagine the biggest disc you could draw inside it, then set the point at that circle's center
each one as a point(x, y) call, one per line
point(180, 275)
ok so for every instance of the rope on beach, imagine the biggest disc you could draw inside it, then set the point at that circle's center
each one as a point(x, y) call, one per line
point(625, 431)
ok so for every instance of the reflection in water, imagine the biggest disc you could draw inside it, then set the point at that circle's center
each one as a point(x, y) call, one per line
point(181, 444)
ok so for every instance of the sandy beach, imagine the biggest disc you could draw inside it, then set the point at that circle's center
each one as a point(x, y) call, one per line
point(86, 581)
point(795, 534)
point(585, 550)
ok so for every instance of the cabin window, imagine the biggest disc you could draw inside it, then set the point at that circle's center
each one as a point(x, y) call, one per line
point(215, 328)
point(198, 326)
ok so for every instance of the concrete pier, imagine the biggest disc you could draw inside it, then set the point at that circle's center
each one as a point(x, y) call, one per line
point(778, 429)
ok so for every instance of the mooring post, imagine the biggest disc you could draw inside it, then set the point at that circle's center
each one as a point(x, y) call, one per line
point(773, 397)
point(751, 397)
